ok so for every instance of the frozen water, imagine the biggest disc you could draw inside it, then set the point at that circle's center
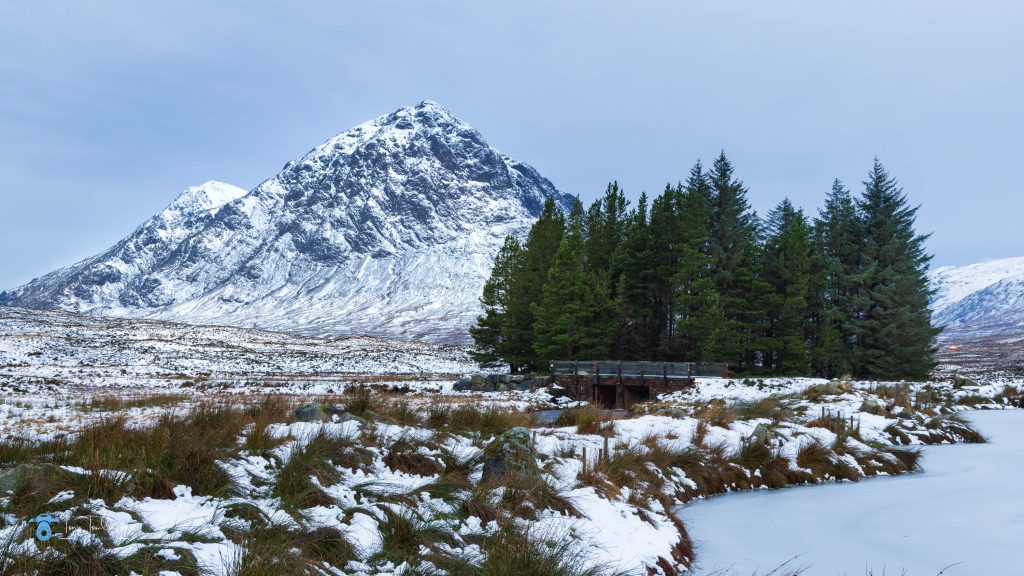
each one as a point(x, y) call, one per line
point(965, 509)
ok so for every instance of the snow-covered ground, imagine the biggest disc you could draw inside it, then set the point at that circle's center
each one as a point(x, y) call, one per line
point(63, 349)
point(964, 513)
point(62, 373)
point(625, 521)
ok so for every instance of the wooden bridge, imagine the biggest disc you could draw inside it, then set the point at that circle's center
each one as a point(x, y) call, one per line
point(621, 384)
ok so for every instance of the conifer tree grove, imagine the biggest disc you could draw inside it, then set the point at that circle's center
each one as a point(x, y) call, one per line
point(575, 316)
point(694, 275)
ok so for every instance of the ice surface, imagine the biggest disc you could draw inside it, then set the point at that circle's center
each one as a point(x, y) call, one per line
point(965, 509)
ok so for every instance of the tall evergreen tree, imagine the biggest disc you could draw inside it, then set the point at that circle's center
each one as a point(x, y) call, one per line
point(526, 287)
point(692, 286)
point(489, 332)
point(836, 259)
point(733, 249)
point(633, 293)
point(665, 234)
point(575, 316)
point(604, 229)
point(895, 337)
point(786, 269)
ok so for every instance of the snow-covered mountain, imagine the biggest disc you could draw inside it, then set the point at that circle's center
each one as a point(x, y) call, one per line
point(983, 299)
point(387, 229)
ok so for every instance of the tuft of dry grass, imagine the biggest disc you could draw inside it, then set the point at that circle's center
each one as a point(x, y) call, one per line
point(313, 465)
point(955, 428)
point(124, 403)
point(405, 454)
point(1011, 396)
point(273, 549)
point(716, 413)
point(770, 408)
point(513, 551)
point(466, 418)
point(403, 535)
point(588, 419)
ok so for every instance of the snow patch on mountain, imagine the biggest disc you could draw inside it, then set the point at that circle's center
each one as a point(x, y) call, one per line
point(387, 229)
point(980, 299)
point(206, 197)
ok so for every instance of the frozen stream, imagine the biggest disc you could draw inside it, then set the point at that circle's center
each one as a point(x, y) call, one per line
point(967, 508)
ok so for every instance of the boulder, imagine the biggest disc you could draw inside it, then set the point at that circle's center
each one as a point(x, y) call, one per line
point(960, 382)
point(463, 385)
point(511, 452)
point(872, 406)
point(316, 412)
point(497, 382)
point(10, 478)
point(901, 412)
point(522, 385)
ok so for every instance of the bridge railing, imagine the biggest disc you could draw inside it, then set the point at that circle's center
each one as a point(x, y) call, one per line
point(636, 369)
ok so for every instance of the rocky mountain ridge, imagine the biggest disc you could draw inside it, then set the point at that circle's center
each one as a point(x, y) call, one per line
point(387, 229)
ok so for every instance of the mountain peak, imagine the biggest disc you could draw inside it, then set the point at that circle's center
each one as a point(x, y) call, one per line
point(387, 229)
point(206, 197)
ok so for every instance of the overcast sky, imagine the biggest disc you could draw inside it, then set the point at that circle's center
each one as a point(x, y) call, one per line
point(108, 112)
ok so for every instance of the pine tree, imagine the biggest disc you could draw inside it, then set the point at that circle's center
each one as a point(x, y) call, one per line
point(525, 288)
point(786, 270)
point(575, 316)
point(693, 290)
point(733, 249)
point(836, 256)
point(489, 332)
point(709, 325)
point(604, 230)
point(635, 322)
point(894, 334)
point(664, 233)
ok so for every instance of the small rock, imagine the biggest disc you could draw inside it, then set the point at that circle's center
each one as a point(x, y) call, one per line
point(316, 412)
point(522, 385)
point(760, 435)
point(871, 406)
point(672, 412)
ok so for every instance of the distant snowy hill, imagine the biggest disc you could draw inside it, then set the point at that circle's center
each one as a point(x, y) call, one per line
point(387, 229)
point(983, 299)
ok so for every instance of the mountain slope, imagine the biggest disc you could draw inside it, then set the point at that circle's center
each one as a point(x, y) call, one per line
point(387, 229)
point(983, 299)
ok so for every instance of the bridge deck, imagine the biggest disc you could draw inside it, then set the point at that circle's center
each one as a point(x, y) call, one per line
point(620, 384)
